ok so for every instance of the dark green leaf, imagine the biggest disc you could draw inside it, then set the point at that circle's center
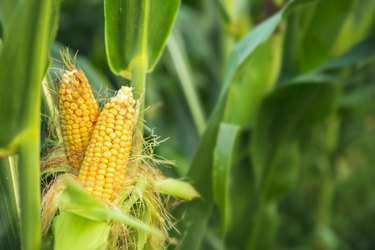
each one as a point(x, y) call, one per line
point(362, 52)
point(264, 228)
point(283, 115)
point(198, 211)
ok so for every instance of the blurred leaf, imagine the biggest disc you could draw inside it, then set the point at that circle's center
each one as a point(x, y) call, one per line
point(197, 212)
point(222, 163)
point(142, 235)
point(9, 223)
point(360, 53)
point(322, 25)
point(78, 233)
point(6, 8)
point(254, 80)
point(28, 35)
point(264, 229)
point(176, 188)
point(285, 171)
point(356, 25)
point(181, 63)
point(283, 115)
point(137, 31)
point(326, 237)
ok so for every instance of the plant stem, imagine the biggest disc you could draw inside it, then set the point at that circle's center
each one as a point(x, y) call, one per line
point(139, 84)
point(139, 67)
point(29, 181)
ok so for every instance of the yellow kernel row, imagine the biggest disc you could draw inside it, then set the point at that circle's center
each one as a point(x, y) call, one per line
point(103, 169)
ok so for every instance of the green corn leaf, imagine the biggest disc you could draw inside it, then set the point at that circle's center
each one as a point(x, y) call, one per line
point(356, 26)
point(326, 17)
point(77, 201)
point(264, 228)
point(136, 32)
point(180, 60)
point(197, 212)
point(27, 37)
point(361, 53)
point(176, 188)
point(75, 232)
point(6, 8)
point(9, 223)
point(142, 235)
point(223, 160)
point(254, 80)
point(283, 115)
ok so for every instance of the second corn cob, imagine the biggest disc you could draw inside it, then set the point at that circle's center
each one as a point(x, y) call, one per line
point(106, 158)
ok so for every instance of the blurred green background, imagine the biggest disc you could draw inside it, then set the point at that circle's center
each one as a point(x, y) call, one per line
point(267, 108)
point(325, 198)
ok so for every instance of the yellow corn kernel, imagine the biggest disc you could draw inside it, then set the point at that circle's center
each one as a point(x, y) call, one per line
point(79, 112)
point(108, 165)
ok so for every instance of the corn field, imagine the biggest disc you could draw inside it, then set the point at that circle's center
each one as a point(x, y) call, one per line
point(187, 124)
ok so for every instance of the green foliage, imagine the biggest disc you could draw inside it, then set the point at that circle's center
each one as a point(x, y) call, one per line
point(285, 158)
point(28, 31)
point(296, 111)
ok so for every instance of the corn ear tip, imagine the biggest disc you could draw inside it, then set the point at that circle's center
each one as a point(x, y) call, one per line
point(68, 61)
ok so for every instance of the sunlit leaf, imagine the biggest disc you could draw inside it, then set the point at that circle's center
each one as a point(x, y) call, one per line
point(78, 233)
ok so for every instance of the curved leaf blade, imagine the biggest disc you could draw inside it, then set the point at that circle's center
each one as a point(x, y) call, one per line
point(137, 30)
point(198, 211)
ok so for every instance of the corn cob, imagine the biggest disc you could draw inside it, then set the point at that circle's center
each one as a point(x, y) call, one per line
point(79, 112)
point(103, 168)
